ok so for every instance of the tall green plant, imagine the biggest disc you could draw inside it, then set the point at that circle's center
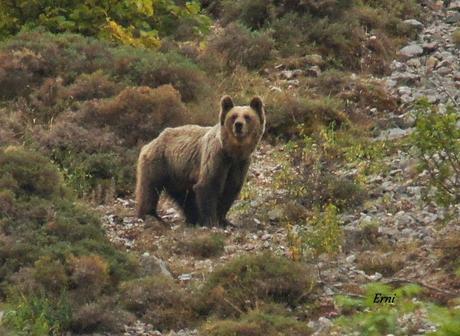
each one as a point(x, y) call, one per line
point(437, 141)
point(132, 22)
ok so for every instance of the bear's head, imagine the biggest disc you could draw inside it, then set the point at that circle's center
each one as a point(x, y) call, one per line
point(243, 123)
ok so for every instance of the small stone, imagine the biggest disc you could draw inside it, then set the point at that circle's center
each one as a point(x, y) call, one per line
point(375, 277)
point(394, 133)
point(431, 63)
point(453, 17)
point(411, 50)
point(444, 71)
point(414, 62)
point(414, 23)
point(430, 47)
point(351, 258)
point(266, 237)
point(286, 74)
point(297, 73)
point(185, 277)
point(404, 90)
point(324, 322)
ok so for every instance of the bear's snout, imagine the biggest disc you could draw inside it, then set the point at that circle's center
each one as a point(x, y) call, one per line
point(239, 129)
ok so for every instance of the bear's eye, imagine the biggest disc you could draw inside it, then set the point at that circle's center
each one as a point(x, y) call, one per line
point(233, 117)
point(247, 118)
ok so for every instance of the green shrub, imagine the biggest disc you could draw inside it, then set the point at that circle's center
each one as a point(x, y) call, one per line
point(257, 323)
point(437, 142)
point(246, 281)
point(39, 316)
point(447, 320)
point(324, 235)
point(136, 23)
point(54, 256)
point(379, 319)
point(28, 174)
point(159, 301)
point(288, 111)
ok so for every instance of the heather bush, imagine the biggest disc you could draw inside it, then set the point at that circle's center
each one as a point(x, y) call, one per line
point(54, 256)
point(246, 281)
point(160, 301)
point(147, 68)
point(138, 114)
point(90, 86)
point(288, 111)
point(205, 245)
point(236, 45)
point(258, 322)
point(31, 57)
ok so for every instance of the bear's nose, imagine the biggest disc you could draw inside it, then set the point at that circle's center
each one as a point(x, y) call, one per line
point(238, 126)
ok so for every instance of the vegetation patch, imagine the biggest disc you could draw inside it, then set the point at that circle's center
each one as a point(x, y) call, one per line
point(244, 282)
point(55, 259)
point(204, 245)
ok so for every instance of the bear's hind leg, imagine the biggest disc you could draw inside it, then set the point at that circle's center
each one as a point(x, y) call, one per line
point(148, 190)
point(190, 209)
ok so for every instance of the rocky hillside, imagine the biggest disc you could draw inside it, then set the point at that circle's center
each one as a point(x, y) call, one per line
point(348, 223)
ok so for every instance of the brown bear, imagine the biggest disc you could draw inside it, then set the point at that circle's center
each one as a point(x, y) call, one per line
point(201, 168)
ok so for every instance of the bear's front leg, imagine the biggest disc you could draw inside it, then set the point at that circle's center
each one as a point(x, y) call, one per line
point(232, 188)
point(206, 199)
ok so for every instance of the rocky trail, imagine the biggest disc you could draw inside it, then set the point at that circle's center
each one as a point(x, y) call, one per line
point(428, 66)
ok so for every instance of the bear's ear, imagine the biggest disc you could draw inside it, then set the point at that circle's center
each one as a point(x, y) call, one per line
point(257, 105)
point(226, 104)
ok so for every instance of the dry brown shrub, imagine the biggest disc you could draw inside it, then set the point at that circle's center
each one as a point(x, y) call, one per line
point(89, 275)
point(159, 301)
point(99, 315)
point(385, 263)
point(19, 70)
point(138, 114)
point(91, 86)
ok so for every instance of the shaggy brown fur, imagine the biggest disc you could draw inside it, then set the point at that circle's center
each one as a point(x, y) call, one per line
point(201, 168)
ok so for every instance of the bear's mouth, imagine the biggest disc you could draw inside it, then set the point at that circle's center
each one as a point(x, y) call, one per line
point(239, 134)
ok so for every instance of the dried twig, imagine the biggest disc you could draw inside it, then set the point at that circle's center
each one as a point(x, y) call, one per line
point(402, 280)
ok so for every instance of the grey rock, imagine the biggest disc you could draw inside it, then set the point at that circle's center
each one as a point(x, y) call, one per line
point(402, 90)
point(444, 71)
point(394, 133)
point(403, 219)
point(411, 50)
point(455, 5)
point(430, 47)
point(185, 277)
point(414, 23)
point(453, 17)
point(286, 74)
